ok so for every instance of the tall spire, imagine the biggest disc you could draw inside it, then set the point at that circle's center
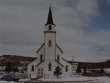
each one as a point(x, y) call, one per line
point(50, 18)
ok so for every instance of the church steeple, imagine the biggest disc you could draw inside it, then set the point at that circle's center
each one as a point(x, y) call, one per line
point(50, 18)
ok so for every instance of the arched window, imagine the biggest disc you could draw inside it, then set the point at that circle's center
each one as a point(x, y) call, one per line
point(41, 58)
point(32, 68)
point(66, 68)
point(49, 43)
point(58, 58)
point(49, 66)
point(50, 27)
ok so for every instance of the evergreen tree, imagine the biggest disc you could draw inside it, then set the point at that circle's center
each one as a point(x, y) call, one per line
point(57, 72)
point(11, 68)
point(8, 67)
point(15, 69)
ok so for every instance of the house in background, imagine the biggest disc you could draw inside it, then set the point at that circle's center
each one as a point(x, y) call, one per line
point(49, 54)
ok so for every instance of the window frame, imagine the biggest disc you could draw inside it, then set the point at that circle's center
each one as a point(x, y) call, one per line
point(66, 68)
point(50, 27)
point(32, 68)
point(58, 58)
point(49, 43)
point(49, 66)
point(41, 58)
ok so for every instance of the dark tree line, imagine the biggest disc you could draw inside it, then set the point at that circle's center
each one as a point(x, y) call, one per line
point(10, 68)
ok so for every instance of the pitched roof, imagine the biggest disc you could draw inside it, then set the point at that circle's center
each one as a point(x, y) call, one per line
point(59, 63)
point(40, 63)
point(40, 48)
point(50, 18)
point(59, 48)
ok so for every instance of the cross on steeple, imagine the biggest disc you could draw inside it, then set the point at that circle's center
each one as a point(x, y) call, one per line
point(50, 18)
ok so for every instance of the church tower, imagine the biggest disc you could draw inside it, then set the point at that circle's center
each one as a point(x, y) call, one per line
point(50, 38)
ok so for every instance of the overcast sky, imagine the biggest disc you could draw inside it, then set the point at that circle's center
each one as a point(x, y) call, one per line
point(83, 27)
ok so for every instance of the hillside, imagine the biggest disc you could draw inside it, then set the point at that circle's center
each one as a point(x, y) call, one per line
point(15, 60)
point(24, 61)
point(93, 65)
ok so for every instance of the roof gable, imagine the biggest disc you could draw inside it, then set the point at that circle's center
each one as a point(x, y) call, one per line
point(59, 48)
point(40, 48)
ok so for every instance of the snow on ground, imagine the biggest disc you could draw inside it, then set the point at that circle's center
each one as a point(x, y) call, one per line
point(80, 79)
point(13, 81)
point(24, 79)
point(7, 82)
point(103, 79)
point(69, 79)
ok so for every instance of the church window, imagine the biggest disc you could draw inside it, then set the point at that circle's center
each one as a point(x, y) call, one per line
point(49, 43)
point(66, 68)
point(41, 58)
point(58, 58)
point(50, 27)
point(32, 68)
point(49, 66)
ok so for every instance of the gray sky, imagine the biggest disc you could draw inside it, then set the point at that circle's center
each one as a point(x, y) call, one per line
point(82, 30)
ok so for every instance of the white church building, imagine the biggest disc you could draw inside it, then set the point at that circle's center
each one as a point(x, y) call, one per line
point(49, 54)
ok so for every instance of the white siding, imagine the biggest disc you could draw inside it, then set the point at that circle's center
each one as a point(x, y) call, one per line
point(50, 55)
point(62, 61)
point(50, 51)
point(30, 66)
point(41, 51)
